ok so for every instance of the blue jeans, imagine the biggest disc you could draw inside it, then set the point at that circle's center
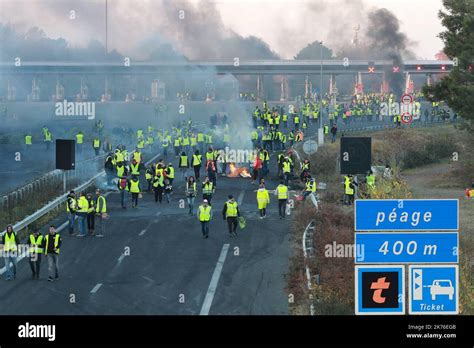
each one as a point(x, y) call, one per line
point(82, 224)
point(205, 228)
point(191, 204)
point(12, 259)
point(333, 139)
point(122, 197)
point(71, 218)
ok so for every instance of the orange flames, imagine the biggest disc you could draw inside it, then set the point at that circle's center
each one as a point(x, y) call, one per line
point(238, 171)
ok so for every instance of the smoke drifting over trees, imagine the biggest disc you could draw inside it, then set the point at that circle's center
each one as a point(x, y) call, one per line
point(176, 31)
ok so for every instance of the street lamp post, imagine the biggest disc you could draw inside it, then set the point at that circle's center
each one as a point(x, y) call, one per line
point(320, 130)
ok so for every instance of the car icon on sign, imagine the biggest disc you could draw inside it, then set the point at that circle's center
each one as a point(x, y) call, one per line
point(441, 287)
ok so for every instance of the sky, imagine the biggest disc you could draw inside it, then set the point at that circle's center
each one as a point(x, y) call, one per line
point(286, 25)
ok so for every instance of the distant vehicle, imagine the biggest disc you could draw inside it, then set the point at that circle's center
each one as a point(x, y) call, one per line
point(441, 287)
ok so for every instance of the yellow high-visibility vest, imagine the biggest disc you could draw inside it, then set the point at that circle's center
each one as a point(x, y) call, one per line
point(28, 139)
point(96, 143)
point(204, 213)
point(104, 205)
point(10, 242)
point(134, 186)
point(282, 192)
point(286, 167)
point(37, 244)
point(196, 160)
point(231, 209)
point(56, 243)
point(80, 138)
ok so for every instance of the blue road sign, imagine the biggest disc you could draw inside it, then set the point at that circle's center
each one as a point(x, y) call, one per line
point(379, 290)
point(406, 215)
point(433, 289)
point(406, 247)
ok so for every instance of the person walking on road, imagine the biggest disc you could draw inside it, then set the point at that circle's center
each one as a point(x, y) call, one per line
point(90, 215)
point(35, 241)
point(10, 243)
point(333, 133)
point(282, 194)
point(207, 190)
point(71, 207)
point(158, 187)
point(230, 212)
point(183, 164)
point(122, 185)
point(191, 192)
point(134, 188)
point(197, 162)
point(204, 215)
point(263, 199)
point(51, 245)
point(101, 212)
point(83, 208)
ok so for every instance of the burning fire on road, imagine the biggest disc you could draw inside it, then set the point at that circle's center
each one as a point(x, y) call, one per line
point(235, 171)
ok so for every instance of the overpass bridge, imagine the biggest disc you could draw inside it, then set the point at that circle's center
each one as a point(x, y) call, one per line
point(157, 71)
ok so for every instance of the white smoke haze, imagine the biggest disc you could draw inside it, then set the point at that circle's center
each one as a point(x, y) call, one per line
point(195, 29)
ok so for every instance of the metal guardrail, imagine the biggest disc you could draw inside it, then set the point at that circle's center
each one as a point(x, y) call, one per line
point(307, 252)
point(15, 196)
point(59, 200)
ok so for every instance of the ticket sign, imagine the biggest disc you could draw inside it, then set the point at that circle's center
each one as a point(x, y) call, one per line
point(406, 247)
point(406, 215)
point(433, 289)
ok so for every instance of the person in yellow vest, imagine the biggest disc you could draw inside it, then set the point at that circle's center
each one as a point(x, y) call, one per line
point(197, 162)
point(35, 241)
point(191, 191)
point(286, 170)
point(122, 186)
point(282, 193)
point(183, 164)
point(370, 180)
point(135, 168)
point(48, 138)
point(170, 173)
point(150, 141)
point(204, 214)
point(101, 212)
point(149, 173)
point(141, 144)
point(207, 189)
point(349, 190)
point(121, 169)
point(10, 243)
point(96, 145)
point(230, 212)
point(134, 188)
point(159, 186)
point(263, 198)
point(79, 141)
point(91, 214)
point(71, 207)
point(51, 246)
point(81, 212)
point(310, 187)
point(28, 142)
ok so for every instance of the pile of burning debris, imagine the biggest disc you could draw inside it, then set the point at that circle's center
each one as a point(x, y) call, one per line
point(235, 171)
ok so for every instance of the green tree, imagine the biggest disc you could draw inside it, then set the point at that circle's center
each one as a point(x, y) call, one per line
point(457, 88)
point(313, 51)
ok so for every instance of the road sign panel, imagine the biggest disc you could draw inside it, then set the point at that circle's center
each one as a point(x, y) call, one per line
point(406, 215)
point(379, 290)
point(310, 147)
point(406, 247)
point(433, 289)
point(406, 118)
point(407, 99)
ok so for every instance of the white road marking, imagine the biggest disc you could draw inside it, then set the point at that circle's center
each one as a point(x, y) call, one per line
point(96, 288)
point(142, 233)
point(241, 197)
point(206, 306)
point(120, 259)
